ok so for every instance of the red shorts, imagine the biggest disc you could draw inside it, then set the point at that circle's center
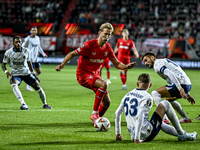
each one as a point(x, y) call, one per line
point(88, 80)
point(106, 63)
point(124, 60)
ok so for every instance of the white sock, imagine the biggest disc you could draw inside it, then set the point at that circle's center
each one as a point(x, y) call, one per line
point(177, 106)
point(42, 95)
point(172, 116)
point(157, 98)
point(169, 129)
point(94, 112)
point(18, 93)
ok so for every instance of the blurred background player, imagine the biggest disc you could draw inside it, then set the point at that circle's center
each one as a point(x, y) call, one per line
point(106, 63)
point(136, 104)
point(32, 42)
point(92, 54)
point(179, 83)
point(124, 47)
point(21, 69)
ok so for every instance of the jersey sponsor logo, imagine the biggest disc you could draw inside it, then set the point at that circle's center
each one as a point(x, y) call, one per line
point(124, 47)
point(97, 60)
point(17, 63)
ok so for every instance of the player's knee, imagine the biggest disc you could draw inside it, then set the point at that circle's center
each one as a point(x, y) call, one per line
point(166, 104)
point(14, 85)
point(104, 85)
point(36, 85)
point(154, 93)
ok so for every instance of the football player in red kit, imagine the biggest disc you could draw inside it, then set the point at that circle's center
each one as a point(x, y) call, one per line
point(124, 47)
point(92, 54)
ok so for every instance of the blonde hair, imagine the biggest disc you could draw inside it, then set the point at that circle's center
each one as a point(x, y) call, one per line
point(106, 25)
point(125, 30)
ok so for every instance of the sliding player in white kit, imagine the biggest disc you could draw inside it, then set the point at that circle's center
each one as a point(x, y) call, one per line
point(179, 84)
point(21, 70)
point(136, 104)
point(32, 42)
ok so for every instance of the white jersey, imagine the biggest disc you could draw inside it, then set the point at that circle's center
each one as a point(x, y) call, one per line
point(17, 61)
point(33, 44)
point(136, 105)
point(161, 64)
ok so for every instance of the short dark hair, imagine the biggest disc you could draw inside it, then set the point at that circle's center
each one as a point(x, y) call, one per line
point(16, 37)
point(144, 78)
point(33, 27)
point(148, 54)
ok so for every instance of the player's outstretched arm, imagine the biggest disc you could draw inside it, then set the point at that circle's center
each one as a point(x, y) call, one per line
point(67, 58)
point(115, 50)
point(121, 66)
point(135, 52)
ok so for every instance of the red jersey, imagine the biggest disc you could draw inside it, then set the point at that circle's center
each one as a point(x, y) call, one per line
point(124, 47)
point(92, 56)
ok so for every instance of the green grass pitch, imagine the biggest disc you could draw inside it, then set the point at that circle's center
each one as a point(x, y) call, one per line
point(68, 126)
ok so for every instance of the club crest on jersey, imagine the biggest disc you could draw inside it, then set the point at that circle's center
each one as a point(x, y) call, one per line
point(90, 77)
point(93, 53)
point(106, 54)
point(82, 46)
point(148, 103)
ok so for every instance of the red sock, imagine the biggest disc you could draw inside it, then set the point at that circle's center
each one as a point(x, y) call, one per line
point(125, 77)
point(108, 75)
point(98, 97)
point(102, 109)
point(122, 77)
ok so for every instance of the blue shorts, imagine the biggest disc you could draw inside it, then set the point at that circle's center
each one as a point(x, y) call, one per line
point(36, 65)
point(29, 79)
point(156, 122)
point(174, 92)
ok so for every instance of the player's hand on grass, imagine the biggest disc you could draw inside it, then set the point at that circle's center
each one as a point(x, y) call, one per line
point(59, 67)
point(131, 65)
point(118, 137)
point(137, 141)
point(191, 99)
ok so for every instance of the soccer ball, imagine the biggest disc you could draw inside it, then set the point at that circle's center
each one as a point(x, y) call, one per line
point(102, 124)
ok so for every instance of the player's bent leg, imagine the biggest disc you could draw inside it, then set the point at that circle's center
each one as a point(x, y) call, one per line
point(157, 96)
point(185, 119)
point(172, 116)
point(19, 96)
point(104, 105)
point(41, 94)
point(100, 93)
